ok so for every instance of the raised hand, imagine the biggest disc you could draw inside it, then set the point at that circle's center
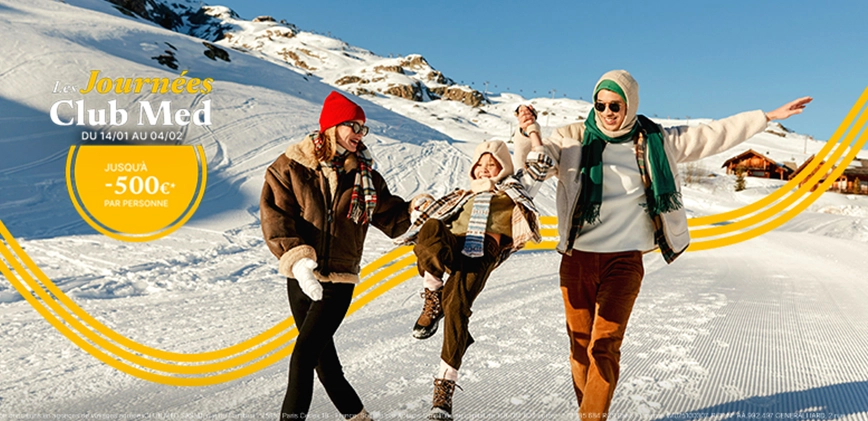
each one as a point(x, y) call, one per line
point(526, 115)
point(789, 109)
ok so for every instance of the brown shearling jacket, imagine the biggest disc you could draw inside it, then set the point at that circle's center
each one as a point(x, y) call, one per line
point(304, 208)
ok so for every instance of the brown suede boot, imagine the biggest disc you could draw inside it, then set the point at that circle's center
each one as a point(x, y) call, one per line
point(441, 407)
point(432, 312)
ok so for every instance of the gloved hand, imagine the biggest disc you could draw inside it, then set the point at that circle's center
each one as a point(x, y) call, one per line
point(303, 272)
point(414, 215)
point(418, 204)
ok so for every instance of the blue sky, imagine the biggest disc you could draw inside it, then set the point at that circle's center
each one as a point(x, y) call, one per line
point(697, 59)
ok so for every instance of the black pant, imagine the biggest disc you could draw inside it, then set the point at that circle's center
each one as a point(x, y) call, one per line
point(317, 322)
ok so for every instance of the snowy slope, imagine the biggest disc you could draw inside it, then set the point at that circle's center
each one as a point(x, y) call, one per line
point(742, 329)
point(775, 325)
point(258, 108)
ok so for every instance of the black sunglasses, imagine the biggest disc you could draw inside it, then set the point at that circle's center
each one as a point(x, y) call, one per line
point(357, 128)
point(614, 106)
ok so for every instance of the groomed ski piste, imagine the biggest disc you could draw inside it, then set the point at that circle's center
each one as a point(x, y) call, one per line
point(774, 327)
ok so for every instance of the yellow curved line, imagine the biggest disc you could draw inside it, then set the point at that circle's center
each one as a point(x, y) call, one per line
point(709, 244)
point(239, 348)
point(198, 357)
point(383, 260)
point(122, 353)
point(383, 288)
point(736, 213)
point(203, 380)
point(395, 264)
point(142, 374)
point(189, 381)
point(131, 238)
point(816, 177)
point(393, 274)
point(123, 340)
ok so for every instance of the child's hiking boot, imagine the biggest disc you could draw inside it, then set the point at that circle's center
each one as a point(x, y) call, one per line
point(441, 407)
point(432, 312)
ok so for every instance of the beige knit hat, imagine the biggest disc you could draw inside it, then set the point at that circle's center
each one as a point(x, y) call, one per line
point(500, 152)
point(631, 89)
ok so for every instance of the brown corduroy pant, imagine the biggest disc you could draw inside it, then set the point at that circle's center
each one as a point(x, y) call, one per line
point(599, 290)
point(439, 251)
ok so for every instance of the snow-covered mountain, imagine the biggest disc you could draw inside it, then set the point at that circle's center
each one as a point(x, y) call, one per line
point(354, 69)
point(749, 328)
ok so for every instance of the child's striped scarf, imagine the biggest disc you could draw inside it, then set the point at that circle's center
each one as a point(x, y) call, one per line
point(525, 220)
point(475, 237)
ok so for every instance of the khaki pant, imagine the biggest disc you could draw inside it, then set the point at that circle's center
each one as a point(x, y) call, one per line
point(599, 290)
point(439, 251)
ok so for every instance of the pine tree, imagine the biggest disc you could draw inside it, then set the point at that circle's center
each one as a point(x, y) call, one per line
point(740, 174)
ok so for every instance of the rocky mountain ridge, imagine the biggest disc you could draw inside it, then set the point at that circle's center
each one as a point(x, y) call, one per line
point(352, 69)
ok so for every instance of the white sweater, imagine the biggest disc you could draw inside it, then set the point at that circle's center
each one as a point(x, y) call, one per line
point(624, 225)
point(681, 144)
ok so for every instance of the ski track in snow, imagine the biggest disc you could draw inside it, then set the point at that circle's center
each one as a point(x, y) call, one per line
point(724, 330)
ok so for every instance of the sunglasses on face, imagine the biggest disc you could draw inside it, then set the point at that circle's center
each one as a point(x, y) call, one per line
point(614, 106)
point(357, 128)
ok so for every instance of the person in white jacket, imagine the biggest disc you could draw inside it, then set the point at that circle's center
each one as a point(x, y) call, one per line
point(619, 196)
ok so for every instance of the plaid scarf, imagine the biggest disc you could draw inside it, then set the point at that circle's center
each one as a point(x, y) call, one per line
point(322, 149)
point(337, 162)
point(656, 220)
point(364, 199)
point(525, 217)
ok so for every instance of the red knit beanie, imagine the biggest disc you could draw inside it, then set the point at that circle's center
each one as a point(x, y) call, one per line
point(337, 109)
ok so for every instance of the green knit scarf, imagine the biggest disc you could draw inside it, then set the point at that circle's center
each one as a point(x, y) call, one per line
point(665, 196)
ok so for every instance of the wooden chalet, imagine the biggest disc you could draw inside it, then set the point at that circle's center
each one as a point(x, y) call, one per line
point(759, 165)
point(854, 179)
point(808, 177)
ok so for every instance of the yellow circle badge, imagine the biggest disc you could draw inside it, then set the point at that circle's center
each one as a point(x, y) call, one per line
point(136, 193)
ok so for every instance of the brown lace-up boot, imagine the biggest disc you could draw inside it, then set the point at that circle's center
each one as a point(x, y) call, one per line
point(441, 407)
point(432, 312)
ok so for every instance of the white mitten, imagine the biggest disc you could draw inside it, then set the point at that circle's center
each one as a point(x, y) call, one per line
point(421, 201)
point(418, 204)
point(414, 216)
point(303, 272)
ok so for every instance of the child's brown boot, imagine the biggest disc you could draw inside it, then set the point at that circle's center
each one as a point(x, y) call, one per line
point(432, 312)
point(441, 407)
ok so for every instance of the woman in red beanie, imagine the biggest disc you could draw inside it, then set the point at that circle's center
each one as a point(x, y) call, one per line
point(317, 202)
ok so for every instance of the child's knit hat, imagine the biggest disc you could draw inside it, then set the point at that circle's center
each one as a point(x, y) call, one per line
point(500, 152)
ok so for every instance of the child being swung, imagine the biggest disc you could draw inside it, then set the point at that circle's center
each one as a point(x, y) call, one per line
point(467, 234)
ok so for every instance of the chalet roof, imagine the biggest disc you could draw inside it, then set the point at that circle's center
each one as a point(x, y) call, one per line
point(807, 161)
point(750, 152)
point(857, 168)
point(858, 163)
